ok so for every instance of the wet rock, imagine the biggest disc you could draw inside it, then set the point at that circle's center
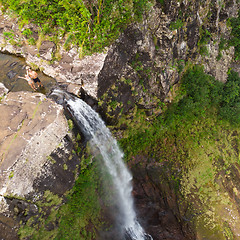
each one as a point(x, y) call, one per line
point(13, 64)
point(74, 88)
point(8, 228)
point(11, 74)
point(70, 68)
point(156, 201)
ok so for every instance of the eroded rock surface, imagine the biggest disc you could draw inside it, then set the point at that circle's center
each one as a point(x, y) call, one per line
point(3, 90)
point(31, 126)
point(36, 157)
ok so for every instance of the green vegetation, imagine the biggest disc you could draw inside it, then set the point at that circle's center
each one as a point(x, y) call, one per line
point(2, 97)
point(70, 124)
point(78, 218)
point(176, 25)
point(235, 39)
point(11, 174)
point(199, 97)
point(223, 45)
point(8, 35)
point(205, 37)
point(196, 139)
point(90, 25)
point(162, 2)
point(27, 32)
point(82, 208)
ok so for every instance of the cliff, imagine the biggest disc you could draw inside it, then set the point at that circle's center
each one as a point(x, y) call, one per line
point(172, 119)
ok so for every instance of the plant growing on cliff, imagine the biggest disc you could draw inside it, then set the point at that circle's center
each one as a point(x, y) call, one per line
point(196, 145)
point(69, 220)
point(230, 102)
point(205, 37)
point(176, 25)
point(94, 25)
point(235, 33)
point(27, 32)
point(8, 35)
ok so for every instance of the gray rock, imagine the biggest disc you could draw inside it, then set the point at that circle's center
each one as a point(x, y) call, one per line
point(47, 49)
point(11, 74)
point(29, 123)
point(3, 90)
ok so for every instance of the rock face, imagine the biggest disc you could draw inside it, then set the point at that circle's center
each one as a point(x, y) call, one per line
point(148, 58)
point(36, 158)
point(67, 67)
point(156, 200)
point(137, 72)
point(29, 123)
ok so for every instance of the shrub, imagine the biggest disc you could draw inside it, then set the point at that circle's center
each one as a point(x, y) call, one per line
point(235, 35)
point(27, 32)
point(230, 104)
point(94, 25)
point(8, 35)
point(176, 25)
point(202, 95)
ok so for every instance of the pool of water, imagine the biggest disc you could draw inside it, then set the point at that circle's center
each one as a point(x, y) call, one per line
point(11, 67)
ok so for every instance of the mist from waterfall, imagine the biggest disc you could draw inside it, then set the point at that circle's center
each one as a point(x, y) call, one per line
point(102, 142)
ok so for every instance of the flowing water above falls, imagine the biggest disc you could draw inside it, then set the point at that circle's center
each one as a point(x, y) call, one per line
point(103, 143)
point(11, 67)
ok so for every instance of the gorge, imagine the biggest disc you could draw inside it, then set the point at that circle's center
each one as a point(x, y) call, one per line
point(167, 87)
point(103, 144)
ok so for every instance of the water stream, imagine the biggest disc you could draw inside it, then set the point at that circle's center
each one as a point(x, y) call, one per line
point(11, 67)
point(102, 142)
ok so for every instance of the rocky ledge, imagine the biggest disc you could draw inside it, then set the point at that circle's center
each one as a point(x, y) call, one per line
point(31, 128)
point(67, 67)
point(29, 123)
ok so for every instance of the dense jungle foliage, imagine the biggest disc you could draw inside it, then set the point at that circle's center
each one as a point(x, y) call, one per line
point(197, 141)
point(92, 25)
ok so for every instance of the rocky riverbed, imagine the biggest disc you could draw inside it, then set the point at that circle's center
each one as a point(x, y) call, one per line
point(11, 67)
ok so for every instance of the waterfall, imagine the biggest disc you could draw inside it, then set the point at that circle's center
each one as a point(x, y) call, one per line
point(102, 141)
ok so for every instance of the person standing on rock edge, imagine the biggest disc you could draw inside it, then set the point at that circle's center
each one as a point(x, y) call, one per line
point(34, 76)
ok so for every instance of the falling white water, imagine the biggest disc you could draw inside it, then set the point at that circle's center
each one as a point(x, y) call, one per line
point(101, 139)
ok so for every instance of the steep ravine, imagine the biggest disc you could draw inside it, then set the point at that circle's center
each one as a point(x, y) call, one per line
point(133, 82)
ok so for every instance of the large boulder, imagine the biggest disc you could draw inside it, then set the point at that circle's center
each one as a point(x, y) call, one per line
point(31, 127)
point(35, 149)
